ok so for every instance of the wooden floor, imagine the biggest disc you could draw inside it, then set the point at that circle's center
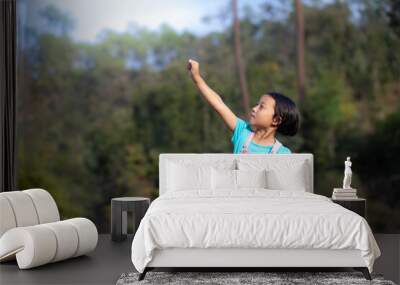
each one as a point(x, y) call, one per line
point(110, 259)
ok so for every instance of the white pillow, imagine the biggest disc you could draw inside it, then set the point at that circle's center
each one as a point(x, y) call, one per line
point(223, 179)
point(251, 178)
point(228, 179)
point(282, 173)
point(291, 179)
point(188, 177)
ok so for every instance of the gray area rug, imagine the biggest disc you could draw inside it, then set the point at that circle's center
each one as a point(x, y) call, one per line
point(158, 277)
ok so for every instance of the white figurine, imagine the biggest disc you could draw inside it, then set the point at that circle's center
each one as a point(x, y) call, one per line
point(347, 174)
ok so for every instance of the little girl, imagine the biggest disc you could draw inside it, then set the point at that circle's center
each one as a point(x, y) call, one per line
point(273, 113)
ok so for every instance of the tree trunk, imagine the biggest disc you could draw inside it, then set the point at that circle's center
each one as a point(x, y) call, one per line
point(300, 51)
point(238, 59)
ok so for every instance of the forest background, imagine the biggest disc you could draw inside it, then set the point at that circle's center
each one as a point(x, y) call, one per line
point(93, 116)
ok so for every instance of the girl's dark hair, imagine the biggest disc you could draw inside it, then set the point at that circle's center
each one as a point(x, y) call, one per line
point(287, 110)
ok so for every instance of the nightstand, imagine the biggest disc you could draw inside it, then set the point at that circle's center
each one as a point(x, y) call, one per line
point(357, 205)
point(119, 208)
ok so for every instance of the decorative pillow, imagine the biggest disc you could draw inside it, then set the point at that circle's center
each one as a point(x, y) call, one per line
point(251, 178)
point(292, 178)
point(223, 179)
point(227, 179)
point(188, 177)
point(281, 173)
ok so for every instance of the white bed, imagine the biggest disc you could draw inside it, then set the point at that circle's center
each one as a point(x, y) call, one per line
point(247, 210)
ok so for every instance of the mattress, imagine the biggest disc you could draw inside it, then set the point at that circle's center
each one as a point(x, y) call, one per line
point(250, 218)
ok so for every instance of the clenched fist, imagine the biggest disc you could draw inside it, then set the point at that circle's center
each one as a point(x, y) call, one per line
point(193, 67)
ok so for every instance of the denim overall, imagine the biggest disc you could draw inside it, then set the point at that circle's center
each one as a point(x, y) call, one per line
point(245, 148)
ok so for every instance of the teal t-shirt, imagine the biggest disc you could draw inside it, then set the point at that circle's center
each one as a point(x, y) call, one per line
point(240, 134)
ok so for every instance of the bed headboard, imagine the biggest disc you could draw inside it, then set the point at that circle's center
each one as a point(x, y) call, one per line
point(274, 159)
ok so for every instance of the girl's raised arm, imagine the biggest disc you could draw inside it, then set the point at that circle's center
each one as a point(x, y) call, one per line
point(211, 96)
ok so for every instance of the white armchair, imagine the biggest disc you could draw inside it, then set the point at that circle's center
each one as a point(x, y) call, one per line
point(31, 231)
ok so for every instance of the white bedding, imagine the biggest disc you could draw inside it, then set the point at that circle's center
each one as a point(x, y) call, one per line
point(250, 218)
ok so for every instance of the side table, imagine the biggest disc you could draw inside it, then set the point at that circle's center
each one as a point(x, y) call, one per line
point(357, 205)
point(119, 208)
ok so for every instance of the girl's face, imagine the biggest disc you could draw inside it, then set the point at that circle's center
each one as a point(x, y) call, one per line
point(262, 113)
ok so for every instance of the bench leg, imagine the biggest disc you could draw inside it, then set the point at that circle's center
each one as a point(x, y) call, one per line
point(364, 271)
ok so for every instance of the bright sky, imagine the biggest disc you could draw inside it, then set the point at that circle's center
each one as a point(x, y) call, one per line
point(92, 16)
